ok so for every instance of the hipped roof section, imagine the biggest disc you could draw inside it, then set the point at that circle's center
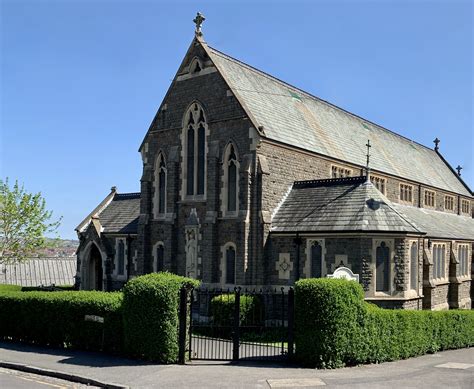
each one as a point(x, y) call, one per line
point(339, 205)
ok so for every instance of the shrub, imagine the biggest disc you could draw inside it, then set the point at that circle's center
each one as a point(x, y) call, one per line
point(9, 288)
point(327, 313)
point(223, 307)
point(58, 319)
point(150, 310)
point(334, 326)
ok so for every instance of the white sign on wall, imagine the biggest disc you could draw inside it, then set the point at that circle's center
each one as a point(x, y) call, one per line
point(345, 273)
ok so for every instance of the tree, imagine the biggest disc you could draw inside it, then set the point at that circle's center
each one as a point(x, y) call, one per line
point(24, 221)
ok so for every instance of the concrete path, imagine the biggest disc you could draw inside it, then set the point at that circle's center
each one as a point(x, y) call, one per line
point(449, 369)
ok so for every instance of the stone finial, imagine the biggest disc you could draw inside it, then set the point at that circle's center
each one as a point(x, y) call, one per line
point(459, 168)
point(198, 20)
point(113, 189)
point(436, 142)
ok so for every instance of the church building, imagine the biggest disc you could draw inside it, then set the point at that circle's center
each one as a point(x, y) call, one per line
point(249, 181)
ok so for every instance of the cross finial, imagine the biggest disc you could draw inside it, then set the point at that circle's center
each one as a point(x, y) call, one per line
point(198, 22)
point(368, 158)
point(436, 142)
point(459, 168)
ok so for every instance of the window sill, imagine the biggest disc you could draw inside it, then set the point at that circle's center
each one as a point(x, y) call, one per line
point(440, 281)
point(230, 215)
point(190, 200)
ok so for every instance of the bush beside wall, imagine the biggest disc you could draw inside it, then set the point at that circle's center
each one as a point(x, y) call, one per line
point(334, 326)
point(58, 319)
point(10, 288)
point(223, 308)
point(150, 312)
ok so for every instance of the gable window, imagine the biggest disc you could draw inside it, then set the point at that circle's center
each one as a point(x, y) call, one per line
point(195, 66)
point(414, 266)
point(379, 183)
point(429, 198)
point(382, 268)
point(194, 152)
point(159, 257)
point(230, 187)
point(159, 201)
point(449, 203)
point(340, 172)
point(465, 206)
point(439, 261)
point(406, 193)
point(463, 258)
point(228, 264)
point(120, 255)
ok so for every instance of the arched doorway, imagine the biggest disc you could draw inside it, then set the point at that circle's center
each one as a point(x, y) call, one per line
point(94, 269)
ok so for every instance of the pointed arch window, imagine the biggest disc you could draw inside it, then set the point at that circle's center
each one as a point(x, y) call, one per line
point(194, 152)
point(228, 264)
point(230, 187)
point(316, 259)
point(159, 257)
point(159, 203)
point(120, 268)
point(382, 276)
point(414, 266)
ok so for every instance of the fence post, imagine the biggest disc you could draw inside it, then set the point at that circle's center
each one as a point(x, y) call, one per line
point(182, 325)
point(291, 322)
point(236, 330)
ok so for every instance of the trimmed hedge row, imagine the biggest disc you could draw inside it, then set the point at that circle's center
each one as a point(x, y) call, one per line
point(335, 327)
point(58, 319)
point(150, 311)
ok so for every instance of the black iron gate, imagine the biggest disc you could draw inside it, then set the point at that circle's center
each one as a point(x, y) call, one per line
point(240, 324)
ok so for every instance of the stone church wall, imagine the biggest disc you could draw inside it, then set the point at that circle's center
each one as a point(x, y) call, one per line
point(227, 122)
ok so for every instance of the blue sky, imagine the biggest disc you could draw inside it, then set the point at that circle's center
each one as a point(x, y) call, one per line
point(82, 80)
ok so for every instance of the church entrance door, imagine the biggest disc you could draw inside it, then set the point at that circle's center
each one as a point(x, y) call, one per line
point(95, 269)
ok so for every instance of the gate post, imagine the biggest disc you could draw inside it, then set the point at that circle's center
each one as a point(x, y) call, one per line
point(291, 322)
point(182, 325)
point(236, 329)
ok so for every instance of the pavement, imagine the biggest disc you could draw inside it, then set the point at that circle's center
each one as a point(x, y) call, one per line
point(448, 369)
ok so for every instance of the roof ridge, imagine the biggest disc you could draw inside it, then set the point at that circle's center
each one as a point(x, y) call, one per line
point(130, 194)
point(328, 181)
point(265, 74)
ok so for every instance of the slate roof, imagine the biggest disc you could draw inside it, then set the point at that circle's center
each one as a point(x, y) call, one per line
point(438, 224)
point(339, 205)
point(121, 214)
point(42, 271)
point(292, 116)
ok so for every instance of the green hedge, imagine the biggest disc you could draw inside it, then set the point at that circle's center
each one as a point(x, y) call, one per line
point(334, 327)
point(58, 319)
point(223, 307)
point(150, 311)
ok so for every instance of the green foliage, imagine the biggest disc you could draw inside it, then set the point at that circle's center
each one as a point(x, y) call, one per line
point(327, 317)
point(223, 308)
point(10, 288)
point(334, 327)
point(58, 319)
point(150, 308)
point(24, 221)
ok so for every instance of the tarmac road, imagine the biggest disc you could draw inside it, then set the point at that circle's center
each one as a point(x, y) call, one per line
point(12, 379)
